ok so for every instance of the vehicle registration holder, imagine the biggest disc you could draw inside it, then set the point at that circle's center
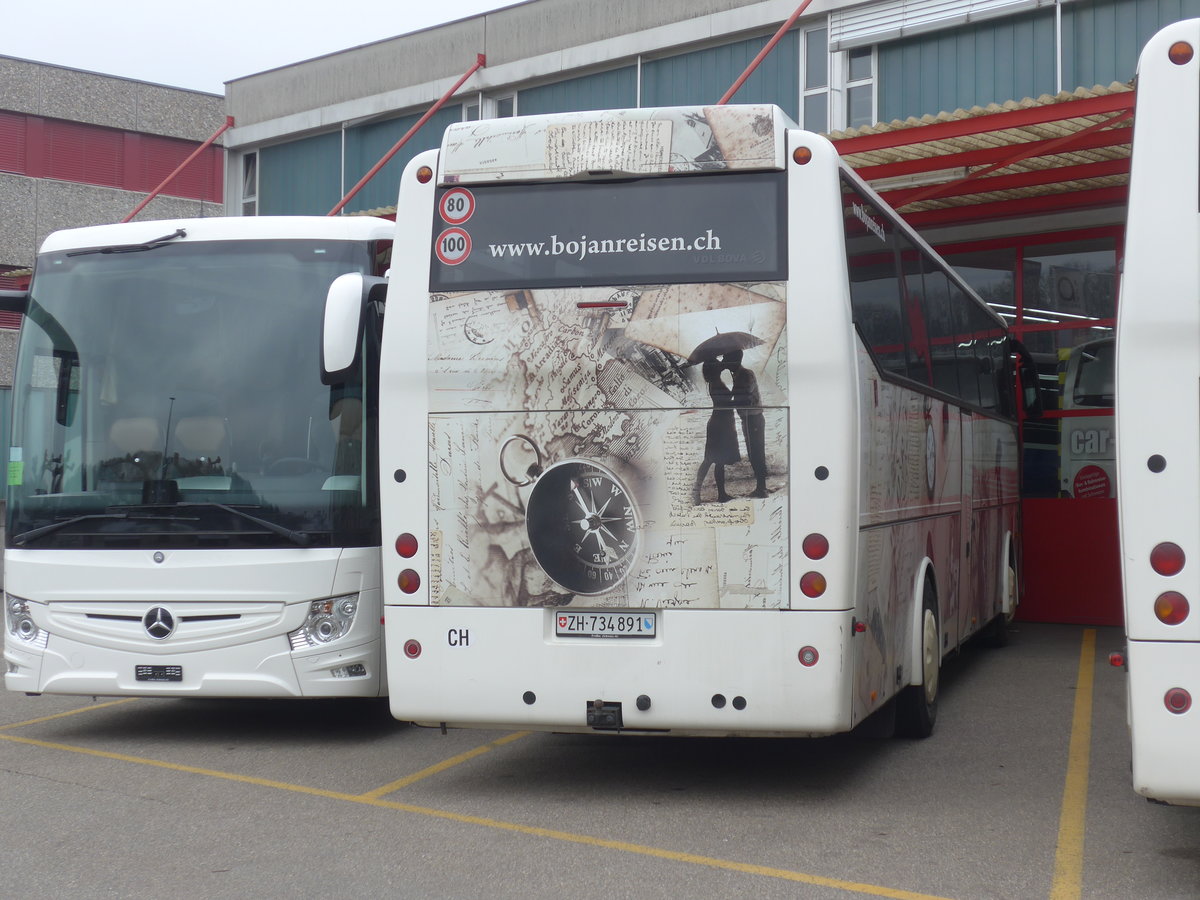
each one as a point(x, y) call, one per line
point(158, 673)
point(591, 624)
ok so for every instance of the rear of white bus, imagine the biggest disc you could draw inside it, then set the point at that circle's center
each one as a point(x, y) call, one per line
point(1158, 420)
point(603, 311)
point(191, 511)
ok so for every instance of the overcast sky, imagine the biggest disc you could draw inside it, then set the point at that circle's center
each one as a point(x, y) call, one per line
point(201, 45)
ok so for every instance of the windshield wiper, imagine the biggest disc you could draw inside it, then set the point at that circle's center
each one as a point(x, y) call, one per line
point(132, 248)
point(35, 533)
point(298, 538)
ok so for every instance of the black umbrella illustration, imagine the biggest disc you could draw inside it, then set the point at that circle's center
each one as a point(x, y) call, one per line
point(722, 343)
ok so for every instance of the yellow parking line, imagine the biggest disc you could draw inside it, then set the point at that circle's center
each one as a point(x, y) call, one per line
point(1068, 857)
point(512, 827)
point(70, 712)
point(442, 766)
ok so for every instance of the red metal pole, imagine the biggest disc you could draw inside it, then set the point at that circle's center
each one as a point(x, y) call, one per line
point(762, 54)
point(480, 62)
point(183, 165)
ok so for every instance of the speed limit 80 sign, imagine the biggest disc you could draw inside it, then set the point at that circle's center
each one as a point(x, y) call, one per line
point(456, 206)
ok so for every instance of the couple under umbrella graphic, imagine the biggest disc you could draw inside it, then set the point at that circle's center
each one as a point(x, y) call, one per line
point(716, 355)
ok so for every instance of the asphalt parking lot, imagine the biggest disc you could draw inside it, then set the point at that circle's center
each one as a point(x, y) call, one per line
point(1022, 792)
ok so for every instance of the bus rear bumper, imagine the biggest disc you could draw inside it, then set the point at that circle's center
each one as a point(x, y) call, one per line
point(1165, 743)
point(255, 669)
point(706, 672)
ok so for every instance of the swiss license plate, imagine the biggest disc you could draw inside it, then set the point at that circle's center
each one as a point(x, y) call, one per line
point(606, 624)
point(158, 673)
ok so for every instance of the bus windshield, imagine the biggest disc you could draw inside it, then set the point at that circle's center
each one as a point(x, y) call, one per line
point(150, 406)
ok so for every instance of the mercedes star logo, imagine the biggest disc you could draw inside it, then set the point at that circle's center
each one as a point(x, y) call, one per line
point(159, 623)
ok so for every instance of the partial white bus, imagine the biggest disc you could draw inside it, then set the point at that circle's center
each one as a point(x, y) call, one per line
point(711, 442)
point(191, 510)
point(1158, 419)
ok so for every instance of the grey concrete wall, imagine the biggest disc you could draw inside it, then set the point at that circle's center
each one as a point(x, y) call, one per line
point(35, 207)
point(60, 93)
point(507, 35)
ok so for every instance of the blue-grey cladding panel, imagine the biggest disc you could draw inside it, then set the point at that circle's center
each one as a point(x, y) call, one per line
point(300, 178)
point(703, 76)
point(366, 144)
point(615, 89)
point(994, 61)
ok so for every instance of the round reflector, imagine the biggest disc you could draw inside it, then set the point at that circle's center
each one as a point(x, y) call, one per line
point(409, 581)
point(1178, 701)
point(813, 584)
point(815, 546)
point(412, 648)
point(808, 656)
point(1167, 559)
point(406, 545)
point(1180, 53)
point(802, 156)
point(424, 174)
point(1171, 608)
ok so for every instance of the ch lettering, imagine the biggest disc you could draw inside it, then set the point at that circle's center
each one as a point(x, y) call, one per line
point(458, 637)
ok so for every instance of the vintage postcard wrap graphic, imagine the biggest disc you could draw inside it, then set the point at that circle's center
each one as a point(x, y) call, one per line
point(630, 141)
point(607, 447)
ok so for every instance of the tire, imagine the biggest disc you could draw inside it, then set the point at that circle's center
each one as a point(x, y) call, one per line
point(916, 707)
point(995, 633)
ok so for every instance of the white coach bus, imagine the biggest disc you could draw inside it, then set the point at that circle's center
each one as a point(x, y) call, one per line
point(1158, 449)
point(711, 442)
point(191, 511)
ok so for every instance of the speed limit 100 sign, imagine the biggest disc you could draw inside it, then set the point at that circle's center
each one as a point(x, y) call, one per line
point(453, 246)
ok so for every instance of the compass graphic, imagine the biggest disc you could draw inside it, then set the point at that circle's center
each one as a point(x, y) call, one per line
point(583, 526)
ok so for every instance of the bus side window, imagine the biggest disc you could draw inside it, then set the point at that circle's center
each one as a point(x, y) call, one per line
point(964, 346)
point(875, 301)
point(943, 332)
point(990, 344)
point(916, 327)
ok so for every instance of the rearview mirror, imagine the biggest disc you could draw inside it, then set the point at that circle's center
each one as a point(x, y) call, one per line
point(341, 337)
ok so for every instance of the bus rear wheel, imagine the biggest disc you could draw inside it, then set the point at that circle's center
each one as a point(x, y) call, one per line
point(916, 707)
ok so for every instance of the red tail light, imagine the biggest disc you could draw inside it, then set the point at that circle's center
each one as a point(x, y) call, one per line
point(409, 581)
point(815, 546)
point(813, 584)
point(406, 545)
point(1167, 559)
point(808, 656)
point(1171, 608)
point(1178, 701)
point(412, 648)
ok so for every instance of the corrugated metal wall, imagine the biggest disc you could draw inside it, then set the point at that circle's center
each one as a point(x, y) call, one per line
point(616, 89)
point(703, 76)
point(366, 145)
point(300, 178)
point(1102, 38)
point(994, 61)
point(989, 62)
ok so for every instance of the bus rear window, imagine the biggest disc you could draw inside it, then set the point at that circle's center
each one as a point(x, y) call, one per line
point(698, 229)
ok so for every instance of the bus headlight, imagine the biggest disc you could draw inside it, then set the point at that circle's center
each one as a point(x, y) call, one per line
point(19, 622)
point(327, 621)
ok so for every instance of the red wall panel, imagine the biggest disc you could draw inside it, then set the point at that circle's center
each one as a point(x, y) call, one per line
point(12, 142)
point(90, 154)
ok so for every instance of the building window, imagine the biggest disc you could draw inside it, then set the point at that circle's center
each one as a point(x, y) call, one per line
point(860, 87)
point(250, 184)
point(816, 80)
point(481, 107)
